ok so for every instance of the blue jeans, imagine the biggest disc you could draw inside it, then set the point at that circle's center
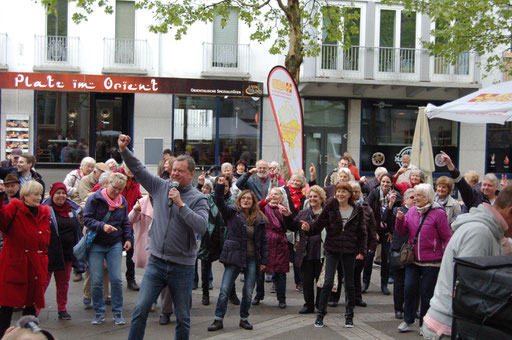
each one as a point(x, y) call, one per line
point(159, 273)
point(228, 279)
point(113, 254)
point(422, 280)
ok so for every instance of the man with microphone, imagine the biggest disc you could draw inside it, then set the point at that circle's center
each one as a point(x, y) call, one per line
point(180, 213)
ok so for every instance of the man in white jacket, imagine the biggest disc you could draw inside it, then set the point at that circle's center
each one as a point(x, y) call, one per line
point(481, 232)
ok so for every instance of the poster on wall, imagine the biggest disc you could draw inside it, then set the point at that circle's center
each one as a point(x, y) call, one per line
point(16, 133)
point(287, 109)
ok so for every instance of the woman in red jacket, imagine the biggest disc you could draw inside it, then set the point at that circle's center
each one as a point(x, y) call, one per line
point(25, 225)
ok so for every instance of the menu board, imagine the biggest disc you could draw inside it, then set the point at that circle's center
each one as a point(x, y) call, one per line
point(16, 132)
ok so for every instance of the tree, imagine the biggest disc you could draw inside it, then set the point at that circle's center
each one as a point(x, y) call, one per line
point(482, 26)
point(294, 27)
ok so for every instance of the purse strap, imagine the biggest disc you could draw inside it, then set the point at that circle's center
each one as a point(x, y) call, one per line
point(419, 229)
point(107, 216)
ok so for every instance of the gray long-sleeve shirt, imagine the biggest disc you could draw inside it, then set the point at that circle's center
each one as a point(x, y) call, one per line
point(174, 231)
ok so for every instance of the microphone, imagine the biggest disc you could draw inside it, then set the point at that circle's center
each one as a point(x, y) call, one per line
point(30, 322)
point(174, 184)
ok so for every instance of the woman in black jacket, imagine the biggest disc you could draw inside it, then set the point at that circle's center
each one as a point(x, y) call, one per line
point(345, 241)
point(385, 195)
point(245, 248)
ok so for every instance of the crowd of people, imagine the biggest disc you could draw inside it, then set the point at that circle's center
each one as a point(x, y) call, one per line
point(253, 221)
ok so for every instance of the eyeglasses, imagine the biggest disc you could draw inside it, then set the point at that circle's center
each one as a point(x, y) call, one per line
point(116, 188)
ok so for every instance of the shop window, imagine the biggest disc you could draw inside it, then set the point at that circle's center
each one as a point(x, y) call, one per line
point(499, 148)
point(239, 130)
point(387, 131)
point(62, 127)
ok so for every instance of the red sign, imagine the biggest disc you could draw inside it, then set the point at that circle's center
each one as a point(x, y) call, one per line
point(125, 84)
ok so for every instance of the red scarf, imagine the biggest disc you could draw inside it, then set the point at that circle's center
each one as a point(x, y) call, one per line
point(62, 210)
point(296, 196)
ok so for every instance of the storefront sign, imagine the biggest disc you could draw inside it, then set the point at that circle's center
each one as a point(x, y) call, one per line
point(126, 84)
point(287, 109)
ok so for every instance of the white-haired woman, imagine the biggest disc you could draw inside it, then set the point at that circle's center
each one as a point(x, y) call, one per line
point(73, 178)
point(112, 164)
point(274, 170)
point(429, 232)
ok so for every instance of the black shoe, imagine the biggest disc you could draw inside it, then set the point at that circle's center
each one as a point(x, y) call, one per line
point(256, 301)
point(64, 315)
point(132, 285)
point(361, 303)
point(365, 287)
point(349, 323)
point(332, 304)
point(385, 290)
point(206, 300)
point(399, 315)
point(234, 300)
point(319, 322)
point(164, 319)
point(215, 326)
point(282, 305)
point(245, 325)
point(306, 310)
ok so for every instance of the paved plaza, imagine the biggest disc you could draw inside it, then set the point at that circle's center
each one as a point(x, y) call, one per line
point(373, 322)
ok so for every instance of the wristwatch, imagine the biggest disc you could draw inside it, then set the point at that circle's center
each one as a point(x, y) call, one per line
point(182, 205)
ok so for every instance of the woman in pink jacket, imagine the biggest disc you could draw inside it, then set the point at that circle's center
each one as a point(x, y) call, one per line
point(429, 246)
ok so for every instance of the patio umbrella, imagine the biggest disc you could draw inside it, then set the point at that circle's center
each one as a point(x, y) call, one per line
point(490, 105)
point(421, 153)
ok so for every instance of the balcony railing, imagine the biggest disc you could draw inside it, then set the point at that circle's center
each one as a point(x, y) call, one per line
point(125, 56)
point(3, 51)
point(389, 63)
point(227, 58)
point(56, 52)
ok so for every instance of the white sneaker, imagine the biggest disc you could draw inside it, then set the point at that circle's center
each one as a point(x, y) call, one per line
point(404, 326)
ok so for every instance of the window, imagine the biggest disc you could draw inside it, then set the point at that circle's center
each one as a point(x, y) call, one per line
point(225, 42)
point(125, 32)
point(387, 128)
point(499, 148)
point(62, 127)
point(56, 33)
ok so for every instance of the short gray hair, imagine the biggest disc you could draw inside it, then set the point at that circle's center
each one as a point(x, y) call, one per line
point(380, 170)
point(347, 172)
point(427, 190)
point(190, 162)
point(492, 177)
point(226, 165)
point(419, 173)
point(208, 183)
point(112, 160)
point(104, 178)
point(276, 164)
point(408, 193)
point(87, 161)
point(301, 178)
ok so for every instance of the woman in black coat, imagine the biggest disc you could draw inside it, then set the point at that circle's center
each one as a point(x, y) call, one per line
point(245, 248)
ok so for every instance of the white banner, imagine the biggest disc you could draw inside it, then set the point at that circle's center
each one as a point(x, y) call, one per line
point(287, 109)
point(490, 105)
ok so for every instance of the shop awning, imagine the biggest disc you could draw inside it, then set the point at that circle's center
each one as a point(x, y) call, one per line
point(490, 105)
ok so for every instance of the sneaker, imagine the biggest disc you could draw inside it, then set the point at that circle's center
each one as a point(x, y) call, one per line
point(153, 307)
point(118, 319)
point(206, 300)
point(319, 322)
point(404, 326)
point(268, 278)
point(132, 285)
point(242, 278)
point(273, 289)
point(298, 288)
point(64, 315)
point(164, 319)
point(256, 301)
point(349, 323)
point(98, 319)
point(282, 305)
point(86, 301)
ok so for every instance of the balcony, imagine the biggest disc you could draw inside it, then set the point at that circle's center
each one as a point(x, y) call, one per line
point(3, 51)
point(228, 60)
point(125, 56)
point(56, 54)
point(390, 64)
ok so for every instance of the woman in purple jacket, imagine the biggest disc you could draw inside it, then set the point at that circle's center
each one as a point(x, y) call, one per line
point(421, 276)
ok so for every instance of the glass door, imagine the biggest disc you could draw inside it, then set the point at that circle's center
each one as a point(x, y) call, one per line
point(323, 147)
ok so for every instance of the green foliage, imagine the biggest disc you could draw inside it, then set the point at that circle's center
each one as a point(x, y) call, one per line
point(482, 26)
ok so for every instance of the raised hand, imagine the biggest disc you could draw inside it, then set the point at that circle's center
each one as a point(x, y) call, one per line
point(123, 141)
point(448, 161)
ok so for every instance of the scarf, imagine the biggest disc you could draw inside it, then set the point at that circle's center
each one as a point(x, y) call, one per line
point(274, 217)
point(441, 202)
point(296, 196)
point(80, 173)
point(113, 204)
point(384, 201)
point(424, 209)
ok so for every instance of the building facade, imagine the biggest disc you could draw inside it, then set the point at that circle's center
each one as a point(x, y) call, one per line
point(68, 90)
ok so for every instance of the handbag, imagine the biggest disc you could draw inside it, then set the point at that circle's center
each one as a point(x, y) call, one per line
point(81, 249)
point(407, 249)
point(394, 260)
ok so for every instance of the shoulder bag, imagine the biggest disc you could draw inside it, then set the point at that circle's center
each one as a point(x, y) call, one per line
point(81, 249)
point(407, 250)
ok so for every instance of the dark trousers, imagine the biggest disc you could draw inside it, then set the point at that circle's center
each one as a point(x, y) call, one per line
point(358, 270)
point(260, 285)
point(384, 266)
point(418, 280)
point(398, 288)
point(335, 296)
point(6, 316)
point(206, 278)
point(311, 270)
point(331, 263)
point(279, 280)
point(296, 270)
point(130, 266)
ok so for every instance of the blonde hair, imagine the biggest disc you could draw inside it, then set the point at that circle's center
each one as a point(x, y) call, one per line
point(347, 172)
point(31, 187)
point(118, 179)
point(319, 191)
point(472, 177)
point(278, 190)
point(300, 177)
